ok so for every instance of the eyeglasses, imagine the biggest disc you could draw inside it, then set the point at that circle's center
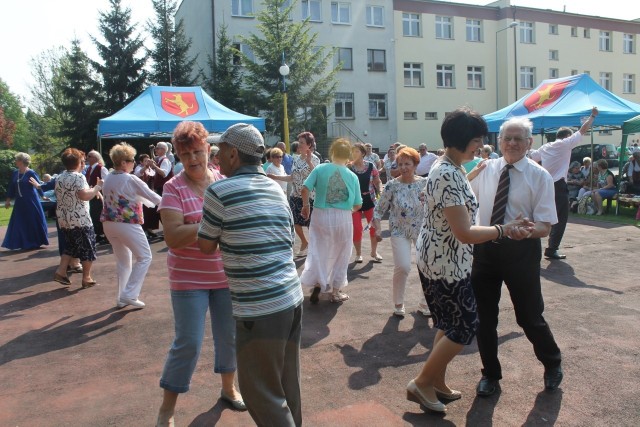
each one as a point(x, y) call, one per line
point(276, 157)
point(130, 160)
point(516, 139)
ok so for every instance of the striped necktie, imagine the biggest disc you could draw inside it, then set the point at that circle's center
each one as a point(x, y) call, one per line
point(502, 196)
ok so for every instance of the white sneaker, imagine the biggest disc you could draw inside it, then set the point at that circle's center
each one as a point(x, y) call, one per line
point(424, 310)
point(399, 311)
point(359, 259)
point(129, 301)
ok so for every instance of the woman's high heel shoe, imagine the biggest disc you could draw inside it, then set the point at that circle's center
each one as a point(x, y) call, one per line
point(415, 395)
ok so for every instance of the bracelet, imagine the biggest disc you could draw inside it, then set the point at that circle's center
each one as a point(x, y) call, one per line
point(500, 231)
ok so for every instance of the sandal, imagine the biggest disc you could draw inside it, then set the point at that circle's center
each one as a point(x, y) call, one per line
point(63, 280)
point(76, 269)
point(89, 284)
point(339, 297)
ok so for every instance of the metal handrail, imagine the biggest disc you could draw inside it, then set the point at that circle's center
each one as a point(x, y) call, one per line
point(339, 129)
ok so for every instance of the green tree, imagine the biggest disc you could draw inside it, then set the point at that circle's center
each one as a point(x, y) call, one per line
point(14, 128)
point(122, 68)
point(7, 166)
point(311, 83)
point(46, 96)
point(79, 91)
point(171, 64)
point(225, 84)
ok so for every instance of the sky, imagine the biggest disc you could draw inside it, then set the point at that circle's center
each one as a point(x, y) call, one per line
point(30, 27)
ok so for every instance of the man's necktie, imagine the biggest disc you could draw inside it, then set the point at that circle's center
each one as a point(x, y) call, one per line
point(502, 196)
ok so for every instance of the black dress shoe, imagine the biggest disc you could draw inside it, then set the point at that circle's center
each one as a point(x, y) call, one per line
point(486, 386)
point(554, 255)
point(553, 378)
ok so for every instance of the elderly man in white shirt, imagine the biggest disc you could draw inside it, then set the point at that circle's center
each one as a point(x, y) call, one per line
point(523, 188)
point(555, 157)
point(426, 161)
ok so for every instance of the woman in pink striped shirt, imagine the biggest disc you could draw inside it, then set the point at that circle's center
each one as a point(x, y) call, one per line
point(197, 280)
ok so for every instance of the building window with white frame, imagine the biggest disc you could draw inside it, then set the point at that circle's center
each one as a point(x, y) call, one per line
point(344, 105)
point(553, 29)
point(605, 80)
point(605, 41)
point(344, 58)
point(527, 77)
point(241, 7)
point(526, 33)
point(377, 105)
point(475, 77)
point(445, 76)
point(444, 27)
point(242, 51)
point(431, 115)
point(554, 73)
point(574, 31)
point(628, 43)
point(411, 24)
point(586, 33)
point(376, 60)
point(411, 115)
point(340, 13)
point(574, 72)
point(474, 30)
point(375, 16)
point(412, 74)
point(312, 9)
point(628, 83)
point(553, 55)
point(284, 6)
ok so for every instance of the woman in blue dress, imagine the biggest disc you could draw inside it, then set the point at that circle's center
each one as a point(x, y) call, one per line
point(27, 227)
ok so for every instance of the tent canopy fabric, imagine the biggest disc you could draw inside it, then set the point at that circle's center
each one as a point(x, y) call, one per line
point(565, 102)
point(629, 127)
point(158, 110)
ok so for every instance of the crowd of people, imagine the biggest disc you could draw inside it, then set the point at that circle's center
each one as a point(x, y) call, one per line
point(231, 209)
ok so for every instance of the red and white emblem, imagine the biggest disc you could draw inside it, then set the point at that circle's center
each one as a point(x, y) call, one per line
point(181, 104)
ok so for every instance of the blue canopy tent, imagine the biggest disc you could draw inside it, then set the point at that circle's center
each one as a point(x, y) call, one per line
point(564, 102)
point(157, 111)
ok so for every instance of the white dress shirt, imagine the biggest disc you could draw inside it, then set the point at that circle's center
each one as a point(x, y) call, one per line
point(103, 172)
point(531, 191)
point(425, 164)
point(555, 156)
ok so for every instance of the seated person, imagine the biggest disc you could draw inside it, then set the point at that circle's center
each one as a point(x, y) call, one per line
point(606, 185)
point(632, 172)
point(575, 180)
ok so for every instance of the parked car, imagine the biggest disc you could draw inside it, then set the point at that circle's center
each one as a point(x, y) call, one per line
point(600, 151)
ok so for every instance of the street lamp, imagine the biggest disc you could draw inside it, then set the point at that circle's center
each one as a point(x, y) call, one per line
point(511, 25)
point(284, 72)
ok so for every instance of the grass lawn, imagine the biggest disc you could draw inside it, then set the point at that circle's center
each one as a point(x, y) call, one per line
point(5, 214)
point(627, 215)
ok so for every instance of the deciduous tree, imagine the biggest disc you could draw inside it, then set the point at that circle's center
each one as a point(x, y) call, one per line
point(225, 83)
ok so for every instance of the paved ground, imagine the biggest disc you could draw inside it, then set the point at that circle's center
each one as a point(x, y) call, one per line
point(68, 358)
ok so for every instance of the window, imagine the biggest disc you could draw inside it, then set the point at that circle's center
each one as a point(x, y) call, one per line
point(605, 80)
point(574, 72)
point(241, 7)
point(553, 55)
point(527, 77)
point(344, 105)
point(376, 60)
point(628, 83)
point(474, 30)
point(375, 16)
point(412, 74)
point(444, 27)
point(586, 33)
point(475, 77)
point(444, 76)
point(574, 31)
point(410, 115)
point(430, 115)
point(411, 25)
point(344, 55)
point(244, 50)
point(526, 32)
point(554, 73)
point(587, 72)
point(628, 43)
point(340, 13)
point(377, 105)
point(312, 9)
point(285, 5)
point(605, 41)
point(553, 29)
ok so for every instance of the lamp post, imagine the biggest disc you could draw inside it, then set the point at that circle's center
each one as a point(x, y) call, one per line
point(284, 72)
point(511, 25)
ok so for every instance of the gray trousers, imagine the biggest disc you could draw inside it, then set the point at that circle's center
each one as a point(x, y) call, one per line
point(268, 355)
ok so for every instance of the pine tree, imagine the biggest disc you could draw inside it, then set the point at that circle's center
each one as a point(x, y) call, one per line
point(311, 84)
point(122, 68)
point(225, 84)
point(171, 64)
point(79, 110)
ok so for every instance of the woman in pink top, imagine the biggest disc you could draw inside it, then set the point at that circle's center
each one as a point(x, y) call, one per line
point(197, 280)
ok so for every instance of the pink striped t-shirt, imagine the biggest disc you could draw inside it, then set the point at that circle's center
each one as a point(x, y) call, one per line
point(188, 267)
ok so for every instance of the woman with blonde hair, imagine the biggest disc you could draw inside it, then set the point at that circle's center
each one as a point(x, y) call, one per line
point(276, 168)
point(337, 196)
point(124, 195)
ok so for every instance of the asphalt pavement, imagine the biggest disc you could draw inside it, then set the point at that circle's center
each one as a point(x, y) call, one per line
point(68, 357)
